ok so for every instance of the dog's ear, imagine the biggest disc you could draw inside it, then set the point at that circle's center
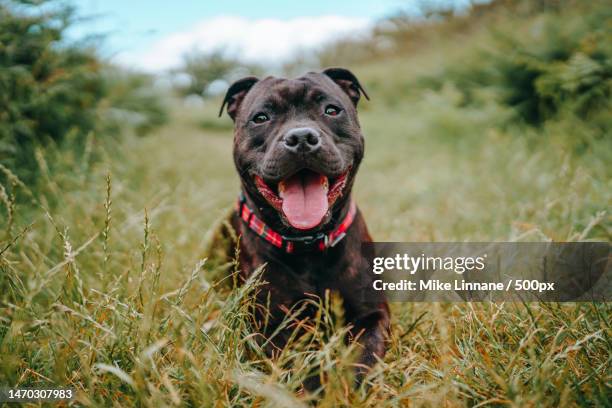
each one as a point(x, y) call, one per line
point(348, 82)
point(235, 94)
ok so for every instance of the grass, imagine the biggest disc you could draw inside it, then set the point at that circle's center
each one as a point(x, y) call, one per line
point(104, 284)
point(117, 301)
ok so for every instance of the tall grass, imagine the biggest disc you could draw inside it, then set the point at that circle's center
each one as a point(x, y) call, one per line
point(108, 290)
point(105, 285)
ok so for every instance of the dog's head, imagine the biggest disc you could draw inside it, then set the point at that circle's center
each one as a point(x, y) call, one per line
point(297, 144)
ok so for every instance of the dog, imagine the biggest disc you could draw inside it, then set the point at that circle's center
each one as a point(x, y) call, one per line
point(297, 148)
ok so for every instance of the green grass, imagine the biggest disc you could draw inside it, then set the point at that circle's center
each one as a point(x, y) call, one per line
point(120, 304)
point(104, 286)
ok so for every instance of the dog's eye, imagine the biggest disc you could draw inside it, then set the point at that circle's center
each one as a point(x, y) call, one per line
point(260, 118)
point(332, 110)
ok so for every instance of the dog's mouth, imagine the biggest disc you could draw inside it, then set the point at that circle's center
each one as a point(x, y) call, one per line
point(304, 198)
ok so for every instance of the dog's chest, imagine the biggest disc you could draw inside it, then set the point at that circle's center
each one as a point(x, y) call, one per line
point(299, 276)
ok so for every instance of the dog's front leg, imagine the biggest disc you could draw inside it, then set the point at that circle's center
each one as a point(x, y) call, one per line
point(371, 332)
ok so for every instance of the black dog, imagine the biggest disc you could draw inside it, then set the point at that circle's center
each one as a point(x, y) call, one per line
point(297, 148)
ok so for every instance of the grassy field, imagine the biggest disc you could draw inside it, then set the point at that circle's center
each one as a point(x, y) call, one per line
point(105, 286)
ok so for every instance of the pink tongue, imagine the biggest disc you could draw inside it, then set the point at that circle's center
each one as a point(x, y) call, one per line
point(304, 199)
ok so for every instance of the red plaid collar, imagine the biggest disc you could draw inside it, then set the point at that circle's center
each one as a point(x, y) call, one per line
point(320, 241)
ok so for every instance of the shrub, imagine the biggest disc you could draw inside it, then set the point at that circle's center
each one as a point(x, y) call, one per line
point(131, 102)
point(201, 69)
point(557, 67)
point(556, 62)
point(56, 93)
point(47, 89)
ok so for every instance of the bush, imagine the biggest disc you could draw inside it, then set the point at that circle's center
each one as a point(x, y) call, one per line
point(201, 69)
point(53, 92)
point(47, 89)
point(557, 62)
point(558, 68)
point(131, 102)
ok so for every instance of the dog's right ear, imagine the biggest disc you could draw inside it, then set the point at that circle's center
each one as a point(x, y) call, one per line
point(235, 94)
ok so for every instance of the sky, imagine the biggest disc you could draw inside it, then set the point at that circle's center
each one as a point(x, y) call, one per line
point(154, 35)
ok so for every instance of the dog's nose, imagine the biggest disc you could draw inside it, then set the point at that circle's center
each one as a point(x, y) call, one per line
point(304, 140)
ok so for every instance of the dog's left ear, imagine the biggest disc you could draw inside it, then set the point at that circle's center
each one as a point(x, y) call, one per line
point(348, 82)
point(235, 94)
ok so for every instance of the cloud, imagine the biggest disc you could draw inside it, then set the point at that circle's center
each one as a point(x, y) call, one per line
point(266, 41)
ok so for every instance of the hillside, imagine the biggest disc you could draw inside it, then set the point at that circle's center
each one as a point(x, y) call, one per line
point(104, 285)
